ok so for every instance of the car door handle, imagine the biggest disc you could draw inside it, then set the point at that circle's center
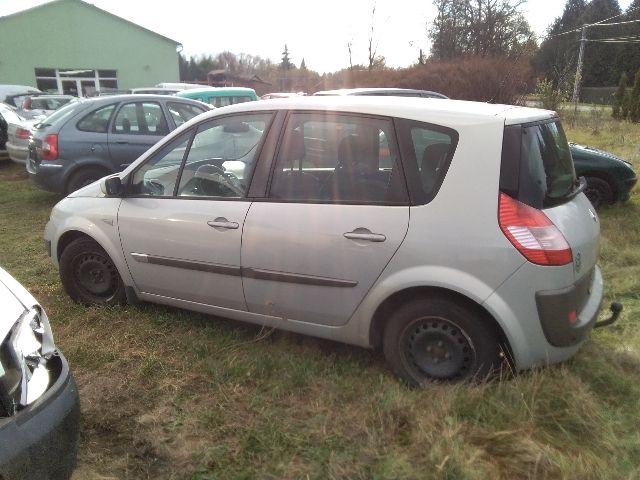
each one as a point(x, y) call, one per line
point(365, 234)
point(223, 223)
point(122, 142)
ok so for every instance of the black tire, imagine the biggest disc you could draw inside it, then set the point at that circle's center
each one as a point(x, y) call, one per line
point(598, 191)
point(84, 177)
point(435, 339)
point(89, 276)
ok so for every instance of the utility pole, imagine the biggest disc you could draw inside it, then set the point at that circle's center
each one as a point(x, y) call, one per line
point(576, 84)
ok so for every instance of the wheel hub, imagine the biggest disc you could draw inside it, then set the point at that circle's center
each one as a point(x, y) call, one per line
point(438, 349)
point(94, 274)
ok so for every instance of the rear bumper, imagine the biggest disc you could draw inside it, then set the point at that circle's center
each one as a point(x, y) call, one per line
point(565, 318)
point(549, 336)
point(17, 153)
point(50, 176)
point(41, 440)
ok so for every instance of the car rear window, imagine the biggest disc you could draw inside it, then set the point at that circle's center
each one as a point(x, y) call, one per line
point(60, 115)
point(537, 168)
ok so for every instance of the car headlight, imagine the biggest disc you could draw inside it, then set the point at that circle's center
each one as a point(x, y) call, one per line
point(23, 360)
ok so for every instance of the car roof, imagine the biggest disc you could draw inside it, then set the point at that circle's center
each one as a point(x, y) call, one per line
point(448, 112)
point(141, 97)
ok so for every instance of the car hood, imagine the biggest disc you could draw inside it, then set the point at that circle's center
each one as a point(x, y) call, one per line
point(92, 190)
point(583, 150)
point(15, 300)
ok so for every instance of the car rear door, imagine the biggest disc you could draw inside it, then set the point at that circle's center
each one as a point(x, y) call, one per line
point(136, 127)
point(330, 224)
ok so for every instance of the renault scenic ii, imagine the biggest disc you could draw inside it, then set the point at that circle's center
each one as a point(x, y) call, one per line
point(453, 235)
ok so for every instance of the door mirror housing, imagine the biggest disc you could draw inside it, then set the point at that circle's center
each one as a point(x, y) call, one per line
point(112, 186)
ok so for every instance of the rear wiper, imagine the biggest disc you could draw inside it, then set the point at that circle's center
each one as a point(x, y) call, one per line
point(578, 186)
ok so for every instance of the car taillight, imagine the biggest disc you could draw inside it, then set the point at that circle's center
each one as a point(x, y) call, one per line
point(49, 147)
point(22, 133)
point(532, 233)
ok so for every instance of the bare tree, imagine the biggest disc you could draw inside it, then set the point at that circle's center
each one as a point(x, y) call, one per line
point(372, 50)
point(478, 27)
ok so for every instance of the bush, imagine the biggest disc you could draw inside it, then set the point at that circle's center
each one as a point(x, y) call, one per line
point(484, 79)
point(618, 98)
point(550, 95)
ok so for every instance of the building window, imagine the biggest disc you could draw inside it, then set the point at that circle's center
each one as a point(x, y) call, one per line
point(79, 82)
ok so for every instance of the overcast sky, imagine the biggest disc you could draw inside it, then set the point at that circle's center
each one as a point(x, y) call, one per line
point(316, 31)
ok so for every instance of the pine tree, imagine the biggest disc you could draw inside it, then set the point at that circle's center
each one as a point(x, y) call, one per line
point(618, 97)
point(286, 61)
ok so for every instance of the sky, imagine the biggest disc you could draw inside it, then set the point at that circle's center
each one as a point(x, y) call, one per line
point(319, 32)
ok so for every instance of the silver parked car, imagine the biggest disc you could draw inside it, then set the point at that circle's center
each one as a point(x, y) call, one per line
point(451, 234)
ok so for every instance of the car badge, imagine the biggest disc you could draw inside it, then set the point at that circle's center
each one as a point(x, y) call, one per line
point(578, 262)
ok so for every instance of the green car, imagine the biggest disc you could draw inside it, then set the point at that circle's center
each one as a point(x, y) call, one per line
point(220, 96)
point(609, 177)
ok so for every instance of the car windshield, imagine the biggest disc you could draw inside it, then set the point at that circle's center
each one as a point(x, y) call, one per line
point(548, 167)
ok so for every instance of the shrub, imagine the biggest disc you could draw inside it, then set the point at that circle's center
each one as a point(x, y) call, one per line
point(550, 95)
point(484, 79)
point(618, 98)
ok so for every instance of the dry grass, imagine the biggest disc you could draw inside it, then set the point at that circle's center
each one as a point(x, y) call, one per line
point(168, 394)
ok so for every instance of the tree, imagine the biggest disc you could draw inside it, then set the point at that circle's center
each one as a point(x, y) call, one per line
point(618, 97)
point(557, 57)
point(479, 28)
point(372, 50)
point(599, 58)
point(286, 61)
point(634, 100)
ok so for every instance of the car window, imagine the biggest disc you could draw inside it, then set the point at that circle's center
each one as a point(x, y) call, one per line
point(157, 177)
point(140, 118)
point(336, 158)
point(183, 112)
point(96, 121)
point(547, 170)
point(432, 150)
point(223, 101)
point(48, 103)
point(222, 156)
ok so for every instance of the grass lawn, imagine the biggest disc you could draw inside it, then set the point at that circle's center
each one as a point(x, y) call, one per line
point(169, 394)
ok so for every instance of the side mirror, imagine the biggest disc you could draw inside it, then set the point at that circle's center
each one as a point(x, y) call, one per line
point(112, 186)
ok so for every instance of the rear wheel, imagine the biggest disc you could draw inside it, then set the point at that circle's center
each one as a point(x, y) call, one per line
point(435, 339)
point(89, 276)
point(84, 177)
point(598, 191)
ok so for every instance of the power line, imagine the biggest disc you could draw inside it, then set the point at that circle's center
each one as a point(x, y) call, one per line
point(598, 24)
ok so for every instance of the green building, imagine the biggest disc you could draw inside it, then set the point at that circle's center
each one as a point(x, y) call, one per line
point(69, 46)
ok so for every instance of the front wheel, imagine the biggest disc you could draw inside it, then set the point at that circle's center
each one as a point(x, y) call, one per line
point(434, 339)
point(89, 276)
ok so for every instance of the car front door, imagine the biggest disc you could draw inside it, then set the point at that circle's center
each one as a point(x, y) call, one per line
point(336, 212)
point(136, 127)
point(181, 222)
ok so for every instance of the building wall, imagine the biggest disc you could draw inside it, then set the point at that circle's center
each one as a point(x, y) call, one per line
point(70, 34)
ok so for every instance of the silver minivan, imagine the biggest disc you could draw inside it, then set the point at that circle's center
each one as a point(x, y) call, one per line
point(453, 235)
